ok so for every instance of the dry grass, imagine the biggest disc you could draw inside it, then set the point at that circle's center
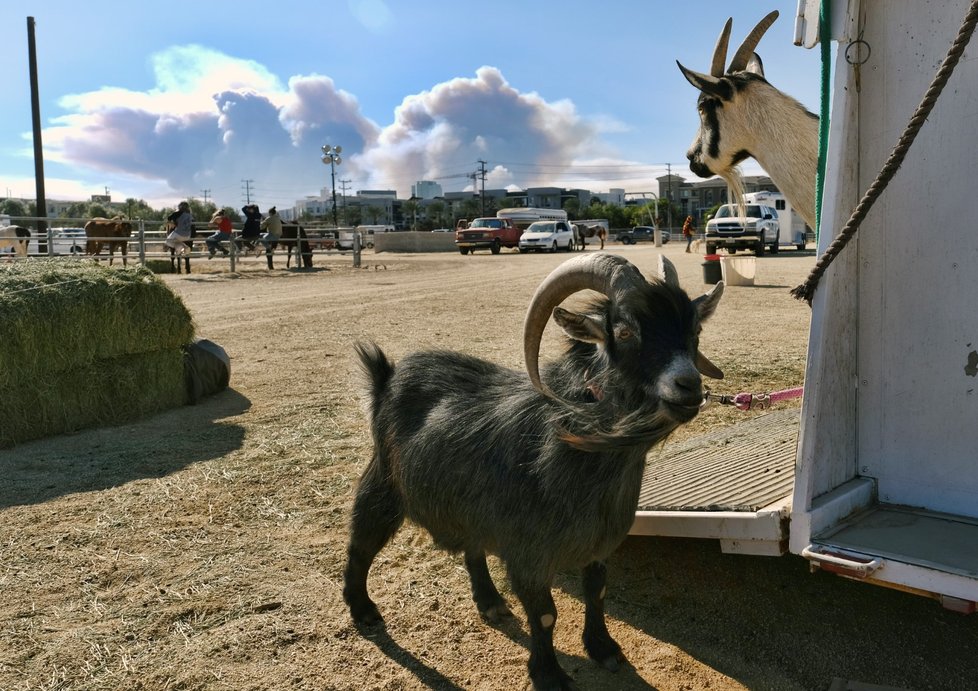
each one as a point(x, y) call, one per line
point(83, 345)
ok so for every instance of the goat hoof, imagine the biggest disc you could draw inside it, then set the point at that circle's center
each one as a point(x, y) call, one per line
point(366, 614)
point(496, 613)
point(613, 663)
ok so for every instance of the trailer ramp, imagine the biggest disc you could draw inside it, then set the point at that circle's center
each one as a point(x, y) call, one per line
point(732, 485)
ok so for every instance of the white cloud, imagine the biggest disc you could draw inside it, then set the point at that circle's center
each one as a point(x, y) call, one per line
point(445, 131)
point(211, 120)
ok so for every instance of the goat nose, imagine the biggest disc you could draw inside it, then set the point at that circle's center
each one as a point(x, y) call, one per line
point(688, 382)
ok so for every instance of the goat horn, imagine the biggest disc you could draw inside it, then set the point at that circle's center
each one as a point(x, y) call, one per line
point(746, 50)
point(667, 271)
point(720, 52)
point(605, 273)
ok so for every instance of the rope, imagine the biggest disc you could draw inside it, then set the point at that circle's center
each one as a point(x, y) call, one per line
point(806, 290)
point(825, 43)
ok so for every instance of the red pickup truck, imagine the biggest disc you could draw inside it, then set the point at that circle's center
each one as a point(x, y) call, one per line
point(486, 233)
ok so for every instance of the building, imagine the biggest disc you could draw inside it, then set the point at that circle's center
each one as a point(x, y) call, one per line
point(697, 198)
point(426, 189)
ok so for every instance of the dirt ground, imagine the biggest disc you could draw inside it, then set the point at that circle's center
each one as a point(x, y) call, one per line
point(203, 548)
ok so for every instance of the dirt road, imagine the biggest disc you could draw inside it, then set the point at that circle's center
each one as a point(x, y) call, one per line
point(203, 548)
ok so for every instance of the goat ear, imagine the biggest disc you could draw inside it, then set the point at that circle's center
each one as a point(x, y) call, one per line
point(580, 327)
point(706, 83)
point(707, 368)
point(755, 65)
point(706, 304)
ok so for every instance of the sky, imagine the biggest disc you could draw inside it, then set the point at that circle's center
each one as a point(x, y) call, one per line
point(218, 99)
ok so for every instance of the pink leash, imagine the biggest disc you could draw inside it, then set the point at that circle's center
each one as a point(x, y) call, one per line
point(757, 401)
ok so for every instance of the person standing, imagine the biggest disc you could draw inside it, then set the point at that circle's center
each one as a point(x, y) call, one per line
point(689, 231)
point(273, 232)
point(222, 222)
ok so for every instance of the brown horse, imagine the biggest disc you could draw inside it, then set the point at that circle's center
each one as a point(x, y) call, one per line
point(293, 233)
point(103, 231)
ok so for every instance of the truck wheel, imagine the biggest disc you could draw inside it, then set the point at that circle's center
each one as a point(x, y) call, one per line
point(800, 246)
point(759, 248)
point(732, 250)
point(463, 250)
point(495, 246)
point(711, 248)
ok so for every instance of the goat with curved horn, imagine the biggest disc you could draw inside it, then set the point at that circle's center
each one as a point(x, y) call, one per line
point(477, 455)
point(608, 274)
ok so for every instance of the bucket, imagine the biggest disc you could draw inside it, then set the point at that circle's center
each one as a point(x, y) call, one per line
point(738, 271)
point(712, 274)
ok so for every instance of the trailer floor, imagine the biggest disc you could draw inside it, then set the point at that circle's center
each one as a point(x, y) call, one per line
point(744, 467)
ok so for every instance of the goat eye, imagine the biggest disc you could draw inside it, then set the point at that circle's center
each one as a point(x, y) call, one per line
point(623, 333)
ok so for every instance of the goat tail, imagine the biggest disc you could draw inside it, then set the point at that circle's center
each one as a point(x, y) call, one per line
point(378, 370)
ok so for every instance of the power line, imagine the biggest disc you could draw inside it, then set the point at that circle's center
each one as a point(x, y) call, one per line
point(247, 190)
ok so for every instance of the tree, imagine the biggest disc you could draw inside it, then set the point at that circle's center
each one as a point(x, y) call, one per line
point(202, 211)
point(352, 215)
point(436, 212)
point(470, 208)
point(573, 208)
point(409, 210)
point(137, 208)
point(373, 213)
point(13, 207)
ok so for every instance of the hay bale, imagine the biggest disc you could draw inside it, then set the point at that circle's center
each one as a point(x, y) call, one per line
point(83, 345)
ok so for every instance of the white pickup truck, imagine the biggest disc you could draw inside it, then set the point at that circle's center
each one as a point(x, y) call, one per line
point(757, 229)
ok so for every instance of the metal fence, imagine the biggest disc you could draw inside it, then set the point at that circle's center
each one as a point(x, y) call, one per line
point(65, 237)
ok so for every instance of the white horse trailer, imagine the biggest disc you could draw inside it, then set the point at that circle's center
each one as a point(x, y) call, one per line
point(880, 481)
point(792, 229)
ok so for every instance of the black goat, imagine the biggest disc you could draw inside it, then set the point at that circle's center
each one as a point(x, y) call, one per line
point(543, 472)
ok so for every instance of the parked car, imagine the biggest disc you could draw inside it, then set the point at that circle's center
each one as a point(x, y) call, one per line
point(547, 235)
point(643, 234)
point(64, 241)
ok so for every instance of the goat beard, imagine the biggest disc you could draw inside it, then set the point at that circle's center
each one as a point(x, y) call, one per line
point(642, 428)
point(735, 182)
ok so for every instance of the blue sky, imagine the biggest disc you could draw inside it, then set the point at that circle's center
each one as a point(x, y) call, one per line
point(161, 101)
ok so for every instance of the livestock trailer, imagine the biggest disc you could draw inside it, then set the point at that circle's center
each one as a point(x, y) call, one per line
point(879, 479)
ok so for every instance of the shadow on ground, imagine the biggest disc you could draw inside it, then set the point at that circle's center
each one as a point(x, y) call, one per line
point(97, 459)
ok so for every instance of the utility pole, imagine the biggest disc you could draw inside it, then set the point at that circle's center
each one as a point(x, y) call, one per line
point(206, 194)
point(482, 173)
point(669, 196)
point(247, 190)
point(42, 204)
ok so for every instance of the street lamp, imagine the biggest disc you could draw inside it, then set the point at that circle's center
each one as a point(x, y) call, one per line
point(331, 157)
